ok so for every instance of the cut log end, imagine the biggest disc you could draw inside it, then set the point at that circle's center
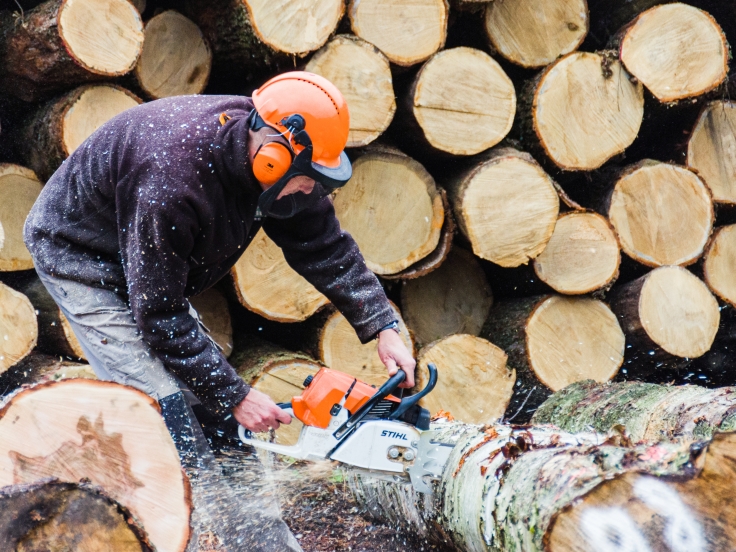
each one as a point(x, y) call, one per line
point(720, 261)
point(677, 51)
point(20, 187)
point(581, 256)
point(175, 59)
point(213, 310)
point(662, 214)
point(467, 365)
point(363, 75)
point(533, 34)
point(463, 101)
point(584, 139)
point(18, 327)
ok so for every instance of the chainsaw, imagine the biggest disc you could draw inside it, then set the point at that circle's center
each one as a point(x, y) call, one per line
point(372, 430)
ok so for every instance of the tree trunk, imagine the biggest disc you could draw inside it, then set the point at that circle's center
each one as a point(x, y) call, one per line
point(212, 308)
point(175, 59)
point(719, 262)
point(662, 213)
point(581, 256)
point(407, 32)
point(669, 317)
point(108, 435)
point(454, 299)
point(462, 102)
point(20, 188)
point(363, 75)
point(553, 341)
point(54, 131)
point(553, 123)
point(677, 51)
point(18, 327)
point(539, 489)
point(62, 43)
point(266, 285)
point(533, 34)
point(66, 516)
point(392, 208)
point(474, 385)
point(506, 205)
point(647, 411)
point(41, 368)
point(711, 150)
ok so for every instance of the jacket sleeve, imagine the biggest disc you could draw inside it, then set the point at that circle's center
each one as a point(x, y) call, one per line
point(157, 230)
point(316, 247)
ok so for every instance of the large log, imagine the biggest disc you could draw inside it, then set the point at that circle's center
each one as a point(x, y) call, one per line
point(581, 256)
point(669, 317)
point(539, 489)
point(582, 139)
point(18, 327)
point(267, 285)
point(407, 32)
point(553, 341)
point(719, 263)
point(534, 34)
point(662, 213)
point(363, 75)
point(62, 43)
point(647, 411)
point(392, 208)
point(506, 205)
point(54, 131)
point(20, 188)
point(677, 51)
point(453, 299)
point(175, 59)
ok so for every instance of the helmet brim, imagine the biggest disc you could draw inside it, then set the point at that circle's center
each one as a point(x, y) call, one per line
point(335, 177)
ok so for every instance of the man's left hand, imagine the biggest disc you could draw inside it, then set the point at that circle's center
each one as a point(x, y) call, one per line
point(394, 354)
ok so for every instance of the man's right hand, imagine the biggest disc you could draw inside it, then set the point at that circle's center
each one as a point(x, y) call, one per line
point(258, 413)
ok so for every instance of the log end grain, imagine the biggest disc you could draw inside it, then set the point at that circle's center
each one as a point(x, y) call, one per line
point(719, 267)
point(18, 327)
point(213, 309)
point(20, 187)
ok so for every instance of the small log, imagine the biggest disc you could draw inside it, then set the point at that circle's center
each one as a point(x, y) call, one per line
point(41, 368)
point(462, 101)
point(407, 32)
point(662, 213)
point(711, 150)
point(553, 341)
point(54, 131)
point(506, 205)
point(677, 51)
point(20, 187)
point(106, 434)
point(533, 34)
point(719, 262)
point(582, 139)
point(18, 327)
point(265, 284)
point(66, 516)
point(363, 75)
point(454, 299)
point(175, 59)
point(647, 411)
point(581, 256)
point(392, 208)
point(213, 309)
point(475, 385)
point(62, 43)
point(668, 315)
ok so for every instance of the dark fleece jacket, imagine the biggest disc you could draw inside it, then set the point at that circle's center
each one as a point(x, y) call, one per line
point(158, 204)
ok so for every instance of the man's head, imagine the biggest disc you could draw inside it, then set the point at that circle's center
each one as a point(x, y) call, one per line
point(298, 132)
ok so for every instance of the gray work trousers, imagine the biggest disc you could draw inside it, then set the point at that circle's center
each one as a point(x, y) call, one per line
point(104, 326)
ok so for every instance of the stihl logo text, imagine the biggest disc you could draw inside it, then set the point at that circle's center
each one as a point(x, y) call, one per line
point(395, 435)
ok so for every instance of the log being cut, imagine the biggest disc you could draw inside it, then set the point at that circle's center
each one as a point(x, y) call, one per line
point(534, 34)
point(20, 187)
point(541, 489)
point(63, 43)
point(720, 263)
point(363, 75)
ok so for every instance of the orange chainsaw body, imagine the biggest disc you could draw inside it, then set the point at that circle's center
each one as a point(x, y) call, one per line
point(327, 389)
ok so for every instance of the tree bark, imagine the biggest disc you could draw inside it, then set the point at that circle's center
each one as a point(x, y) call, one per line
point(41, 368)
point(719, 262)
point(553, 341)
point(20, 187)
point(18, 327)
point(106, 434)
point(60, 44)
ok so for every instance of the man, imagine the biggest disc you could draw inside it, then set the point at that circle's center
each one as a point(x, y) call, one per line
point(158, 204)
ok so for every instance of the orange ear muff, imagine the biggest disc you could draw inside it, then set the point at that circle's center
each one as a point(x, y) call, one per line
point(271, 163)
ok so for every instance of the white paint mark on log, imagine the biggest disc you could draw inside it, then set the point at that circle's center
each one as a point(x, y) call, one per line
point(612, 530)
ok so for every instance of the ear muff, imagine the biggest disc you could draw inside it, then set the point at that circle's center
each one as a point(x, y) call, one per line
point(271, 163)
